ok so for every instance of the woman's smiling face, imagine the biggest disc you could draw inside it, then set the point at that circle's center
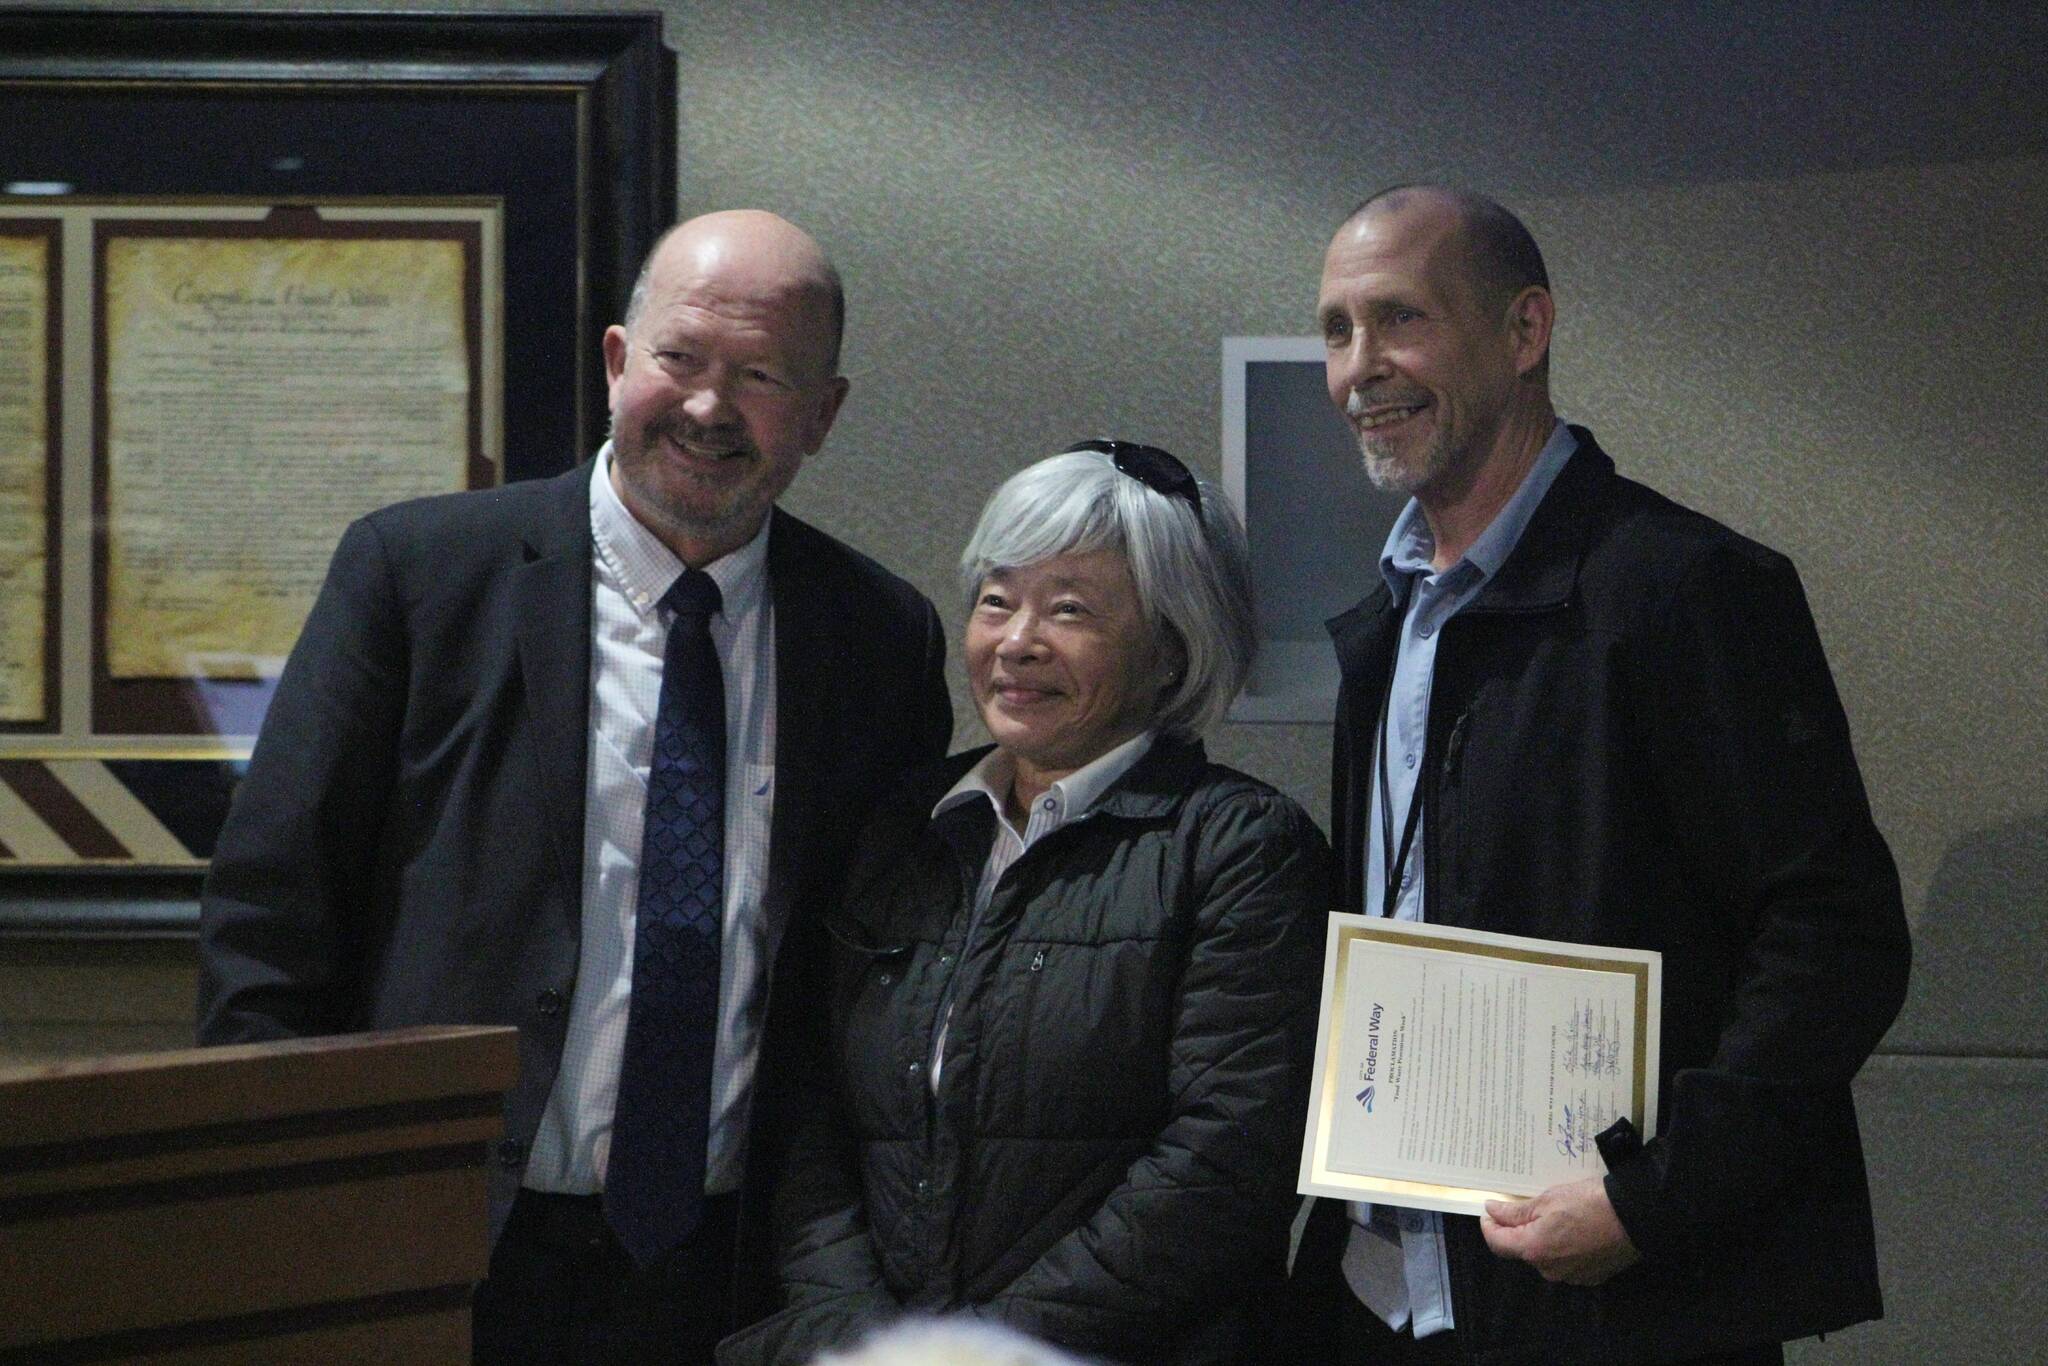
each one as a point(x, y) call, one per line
point(1062, 662)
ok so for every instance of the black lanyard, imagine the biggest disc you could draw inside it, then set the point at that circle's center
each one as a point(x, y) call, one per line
point(1394, 861)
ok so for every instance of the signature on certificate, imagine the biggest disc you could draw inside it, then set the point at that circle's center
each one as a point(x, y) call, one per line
point(1591, 1047)
point(1575, 1127)
point(1607, 1057)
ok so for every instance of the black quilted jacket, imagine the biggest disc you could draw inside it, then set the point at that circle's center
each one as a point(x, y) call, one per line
point(1110, 1160)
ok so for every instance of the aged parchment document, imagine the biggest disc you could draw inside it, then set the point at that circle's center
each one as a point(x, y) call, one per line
point(262, 393)
point(24, 470)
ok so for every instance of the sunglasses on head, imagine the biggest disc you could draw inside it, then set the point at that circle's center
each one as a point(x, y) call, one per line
point(1158, 470)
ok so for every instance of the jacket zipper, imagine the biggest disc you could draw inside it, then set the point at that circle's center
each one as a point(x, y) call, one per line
point(970, 881)
point(969, 887)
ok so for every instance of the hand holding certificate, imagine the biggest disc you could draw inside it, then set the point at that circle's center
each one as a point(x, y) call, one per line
point(1458, 1066)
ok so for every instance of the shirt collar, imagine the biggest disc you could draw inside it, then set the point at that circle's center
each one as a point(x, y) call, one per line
point(1410, 546)
point(646, 569)
point(1075, 795)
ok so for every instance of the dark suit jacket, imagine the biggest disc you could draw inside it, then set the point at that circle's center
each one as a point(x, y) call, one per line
point(407, 846)
point(1633, 739)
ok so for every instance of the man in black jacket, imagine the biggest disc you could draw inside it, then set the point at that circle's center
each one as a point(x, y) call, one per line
point(1575, 710)
point(444, 818)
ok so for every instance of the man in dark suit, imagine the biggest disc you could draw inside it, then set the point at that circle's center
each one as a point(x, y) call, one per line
point(1574, 710)
point(447, 818)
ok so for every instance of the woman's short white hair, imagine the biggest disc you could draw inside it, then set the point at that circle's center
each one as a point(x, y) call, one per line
point(948, 1342)
point(1193, 576)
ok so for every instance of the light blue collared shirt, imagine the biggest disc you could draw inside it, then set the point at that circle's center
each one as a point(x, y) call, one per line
point(1395, 1264)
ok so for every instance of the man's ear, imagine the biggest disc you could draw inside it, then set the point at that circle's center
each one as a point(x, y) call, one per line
point(614, 353)
point(833, 394)
point(1530, 318)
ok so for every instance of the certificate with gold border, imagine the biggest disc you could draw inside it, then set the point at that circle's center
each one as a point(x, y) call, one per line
point(1458, 1066)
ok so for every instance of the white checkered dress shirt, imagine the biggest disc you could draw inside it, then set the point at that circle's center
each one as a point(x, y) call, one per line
point(630, 571)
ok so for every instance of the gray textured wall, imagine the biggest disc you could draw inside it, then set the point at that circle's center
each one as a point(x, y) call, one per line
point(1797, 253)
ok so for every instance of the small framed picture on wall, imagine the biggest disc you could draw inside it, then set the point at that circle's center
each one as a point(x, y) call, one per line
point(1315, 524)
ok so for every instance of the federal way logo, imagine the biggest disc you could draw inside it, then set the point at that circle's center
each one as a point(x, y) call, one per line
point(1365, 1099)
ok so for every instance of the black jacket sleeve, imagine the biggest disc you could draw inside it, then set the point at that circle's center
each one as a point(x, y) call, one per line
point(1753, 757)
point(829, 1278)
point(278, 947)
point(932, 731)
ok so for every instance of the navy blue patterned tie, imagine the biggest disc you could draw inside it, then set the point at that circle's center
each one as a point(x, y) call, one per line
point(654, 1183)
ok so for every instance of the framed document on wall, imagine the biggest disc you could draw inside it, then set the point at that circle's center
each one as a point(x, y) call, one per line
point(279, 269)
point(259, 381)
point(30, 281)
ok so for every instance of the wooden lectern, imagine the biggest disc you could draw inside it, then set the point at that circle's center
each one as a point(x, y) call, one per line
point(312, 1200)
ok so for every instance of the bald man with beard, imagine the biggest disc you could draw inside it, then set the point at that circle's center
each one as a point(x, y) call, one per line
point(1572, 709)
point(445, 817)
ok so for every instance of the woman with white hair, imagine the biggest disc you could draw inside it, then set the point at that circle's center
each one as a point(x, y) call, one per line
point(1061, 1081)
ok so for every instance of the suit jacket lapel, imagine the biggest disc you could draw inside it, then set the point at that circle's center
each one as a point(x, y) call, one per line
point(551, 587)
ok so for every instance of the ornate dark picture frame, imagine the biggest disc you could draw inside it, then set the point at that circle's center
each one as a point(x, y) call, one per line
point(571, 119)
point(568, 120)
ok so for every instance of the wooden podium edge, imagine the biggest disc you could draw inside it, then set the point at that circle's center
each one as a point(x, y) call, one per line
point(270, 1202)
point(100, 1098)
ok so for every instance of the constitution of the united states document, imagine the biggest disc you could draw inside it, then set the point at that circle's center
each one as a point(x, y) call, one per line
point(260, 394)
